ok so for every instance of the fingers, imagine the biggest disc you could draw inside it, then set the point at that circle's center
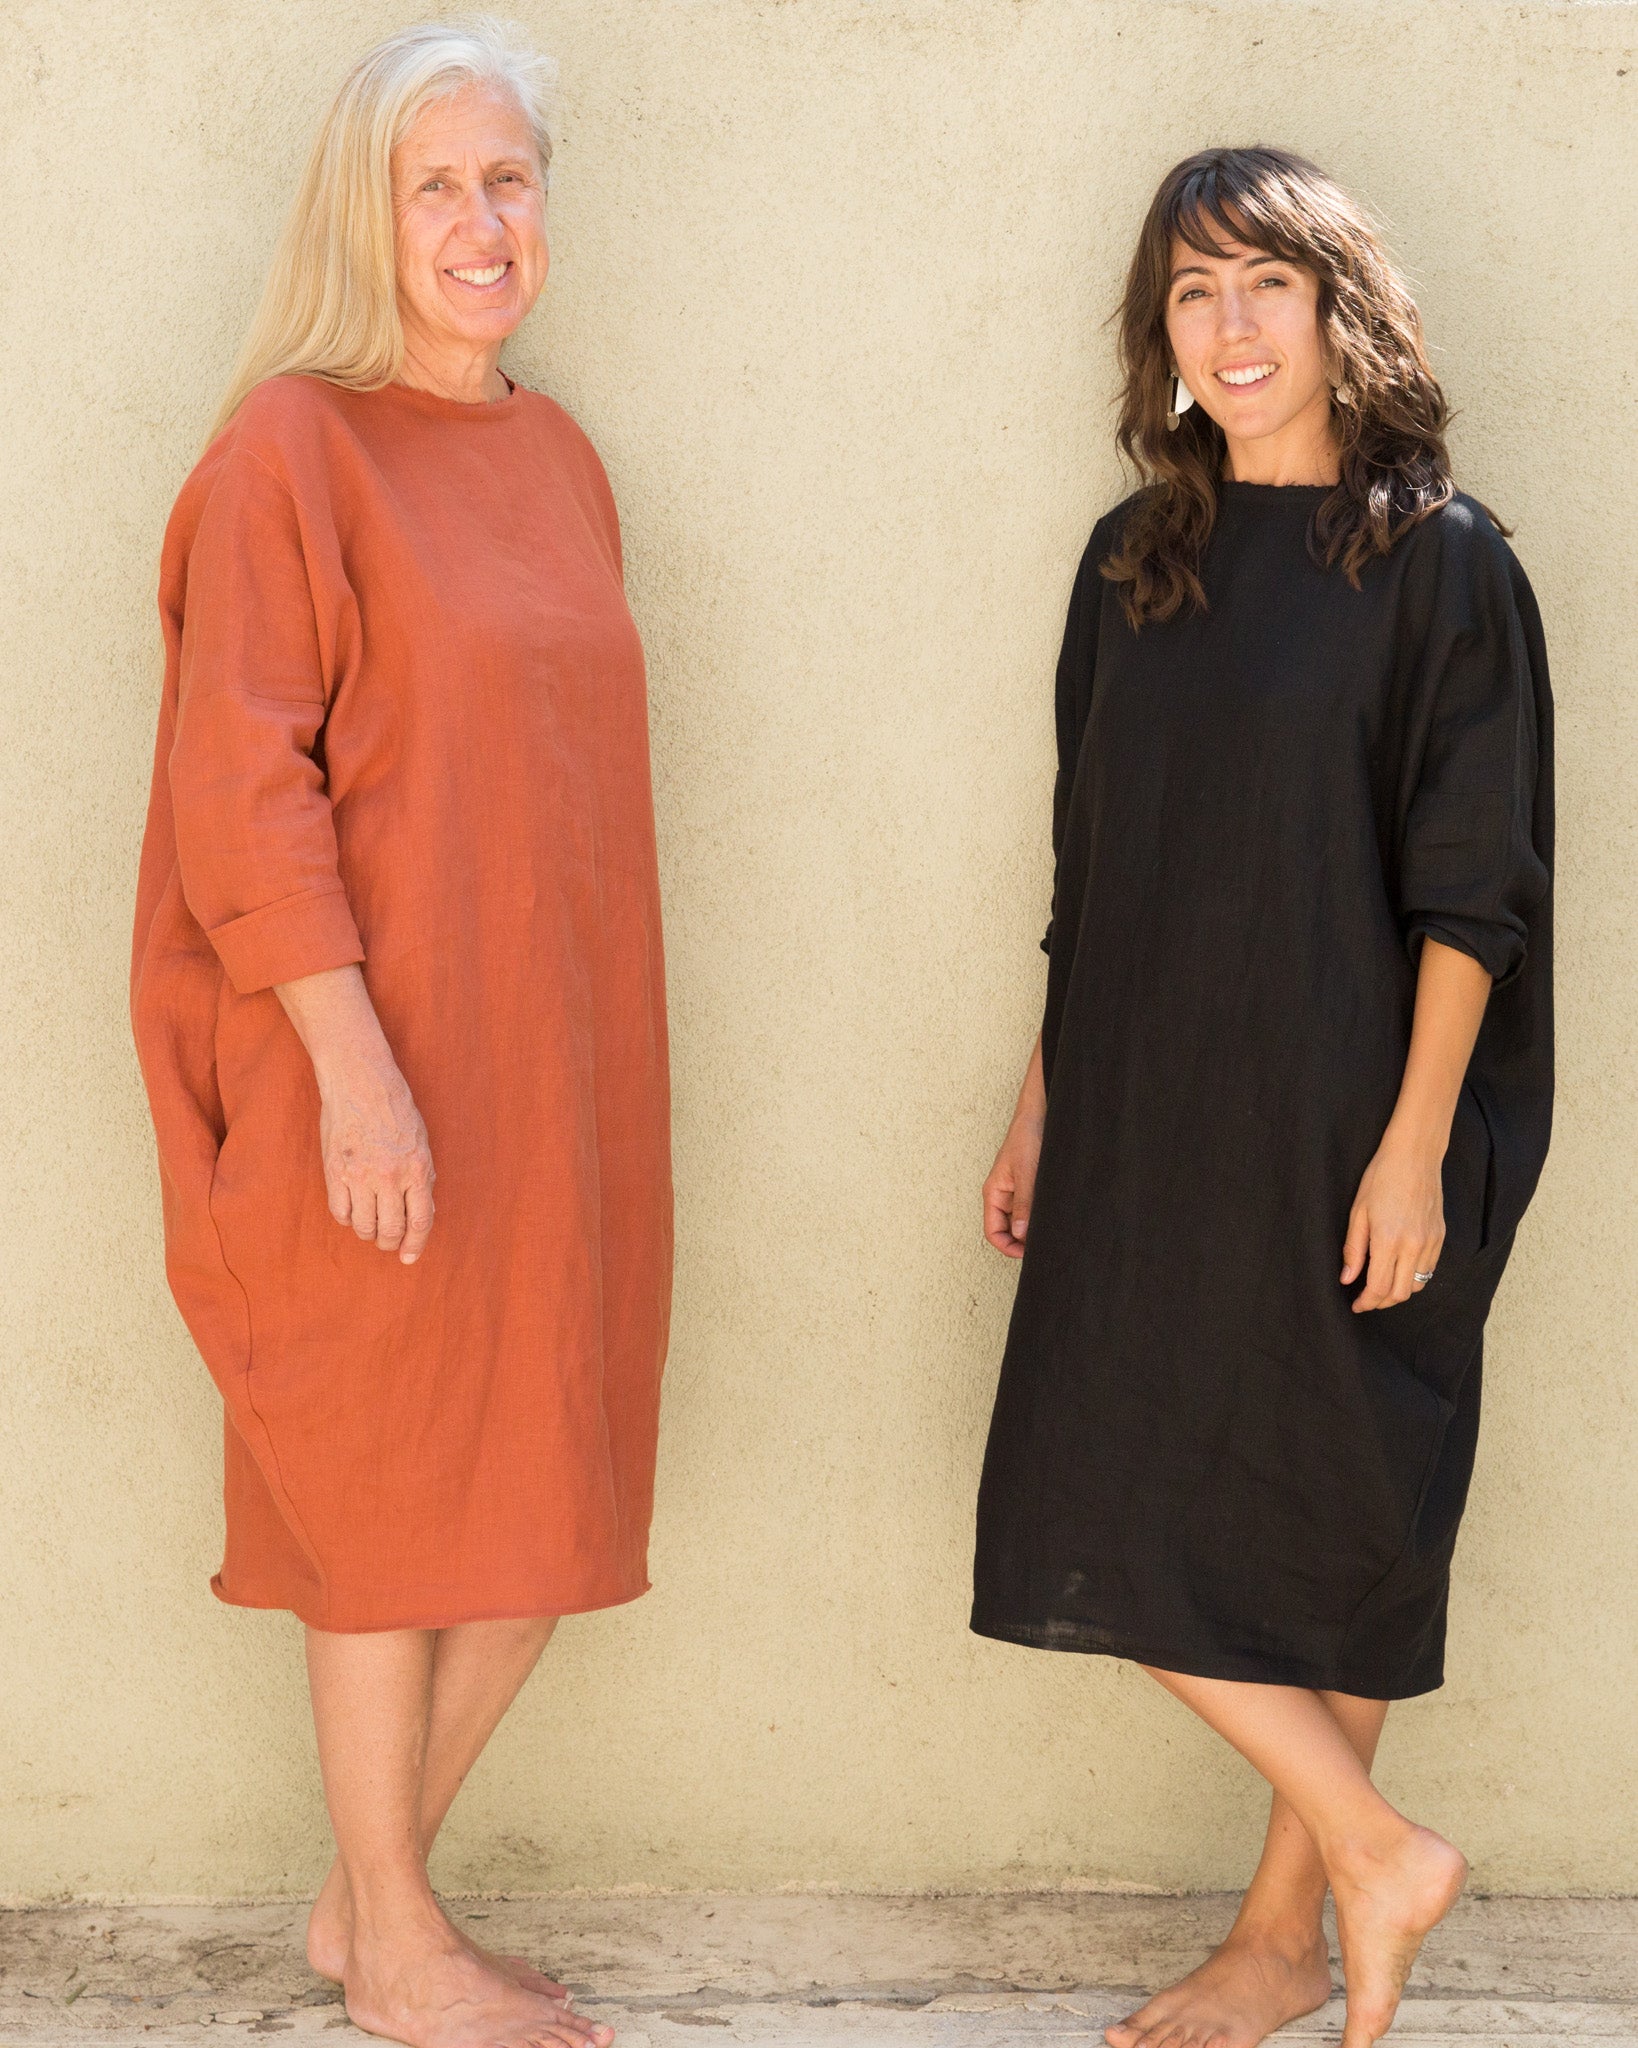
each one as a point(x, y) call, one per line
point(363, 1216)
point(1379, 1272)
point(1391, 1279)
point(999, 1216)
point(1356, 1244)
point(417, 1221)
point(389, 1217)
point(396, 1214)
point(1378, 1291)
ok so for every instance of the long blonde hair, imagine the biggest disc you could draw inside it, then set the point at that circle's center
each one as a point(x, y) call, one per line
point(330, 307)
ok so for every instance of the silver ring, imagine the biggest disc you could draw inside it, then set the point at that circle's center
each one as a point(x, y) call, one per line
point(1421, 1279)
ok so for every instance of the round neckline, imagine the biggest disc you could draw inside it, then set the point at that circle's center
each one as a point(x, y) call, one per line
point(1227, 483)
point(435, 406)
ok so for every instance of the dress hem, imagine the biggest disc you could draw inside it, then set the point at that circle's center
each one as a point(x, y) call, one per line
point(1083, 1640)
point(505, 1611)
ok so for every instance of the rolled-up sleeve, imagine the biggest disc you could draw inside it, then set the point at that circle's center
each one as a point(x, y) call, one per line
point(1470, 873)
point(255, 834)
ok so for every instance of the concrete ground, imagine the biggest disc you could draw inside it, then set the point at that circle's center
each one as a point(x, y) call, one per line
point(807, 1972)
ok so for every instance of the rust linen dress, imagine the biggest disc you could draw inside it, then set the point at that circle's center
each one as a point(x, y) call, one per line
point(404, 723)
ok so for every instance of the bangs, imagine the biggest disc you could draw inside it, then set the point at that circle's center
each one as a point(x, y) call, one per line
point(1229, 199)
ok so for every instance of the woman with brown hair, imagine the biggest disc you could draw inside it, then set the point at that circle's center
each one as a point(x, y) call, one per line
point(1292, 1090)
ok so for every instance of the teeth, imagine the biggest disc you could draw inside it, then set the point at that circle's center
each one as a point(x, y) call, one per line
point(491, 274)
point(1254, 373)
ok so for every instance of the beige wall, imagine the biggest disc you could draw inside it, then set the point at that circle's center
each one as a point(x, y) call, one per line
point(829, 278)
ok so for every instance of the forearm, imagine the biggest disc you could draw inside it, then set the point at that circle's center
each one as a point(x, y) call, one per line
point(336, 1023)
point(1031, 1105)
point(1451, 992)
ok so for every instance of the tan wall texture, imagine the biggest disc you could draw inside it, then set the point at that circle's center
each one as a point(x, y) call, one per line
point(829, 278)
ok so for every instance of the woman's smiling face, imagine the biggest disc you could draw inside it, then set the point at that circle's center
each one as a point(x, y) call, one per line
point(1244, 329)
point(471, 222)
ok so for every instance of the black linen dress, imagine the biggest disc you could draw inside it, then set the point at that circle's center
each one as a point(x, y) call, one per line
point(1200, 1457)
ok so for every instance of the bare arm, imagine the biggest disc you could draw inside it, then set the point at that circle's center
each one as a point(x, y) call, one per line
point(377, 1164)
point(1397, 1225)
point(1009, 1193)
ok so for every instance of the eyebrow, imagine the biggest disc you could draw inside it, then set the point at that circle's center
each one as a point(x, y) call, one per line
point(452, 170)
point(1200, 270)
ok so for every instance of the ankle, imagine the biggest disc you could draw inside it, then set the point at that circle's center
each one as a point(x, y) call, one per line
point(1357, 1854)
point(392, 1907)
point(1293, 1931)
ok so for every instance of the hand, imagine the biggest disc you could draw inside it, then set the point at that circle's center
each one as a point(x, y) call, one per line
point(1009, 1193)
point(1397, 1223)
point(377, 1163)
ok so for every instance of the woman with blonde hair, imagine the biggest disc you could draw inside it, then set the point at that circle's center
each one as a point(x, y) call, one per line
point(398, 914)
point(1293, 1086)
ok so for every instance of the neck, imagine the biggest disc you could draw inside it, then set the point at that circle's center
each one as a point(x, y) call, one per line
point(469, 376)
point(1304, 451)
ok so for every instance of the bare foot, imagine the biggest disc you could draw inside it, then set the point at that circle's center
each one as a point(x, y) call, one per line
point(330, 1933)
point(1240, 1993)
point(1387, 1902)
point(422, 1985)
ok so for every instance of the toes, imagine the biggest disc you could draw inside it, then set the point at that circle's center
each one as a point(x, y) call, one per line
point(569, 2033)
point(536, 1980)
point(579, 2033)
point(1127, 2032)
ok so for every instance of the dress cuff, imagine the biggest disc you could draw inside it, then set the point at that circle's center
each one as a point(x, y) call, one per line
point(282, 941)
point(1498, 949)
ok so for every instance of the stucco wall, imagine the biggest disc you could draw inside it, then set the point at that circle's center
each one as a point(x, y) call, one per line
point(829, 278)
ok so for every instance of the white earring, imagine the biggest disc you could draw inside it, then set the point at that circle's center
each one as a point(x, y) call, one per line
point(1343, 395)
point(1182, 399)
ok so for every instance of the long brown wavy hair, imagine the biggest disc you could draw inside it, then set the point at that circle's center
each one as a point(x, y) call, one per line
point(1395, 467)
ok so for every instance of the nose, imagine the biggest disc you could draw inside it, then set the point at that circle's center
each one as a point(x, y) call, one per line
point(479, 220)
point(1236, 316)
